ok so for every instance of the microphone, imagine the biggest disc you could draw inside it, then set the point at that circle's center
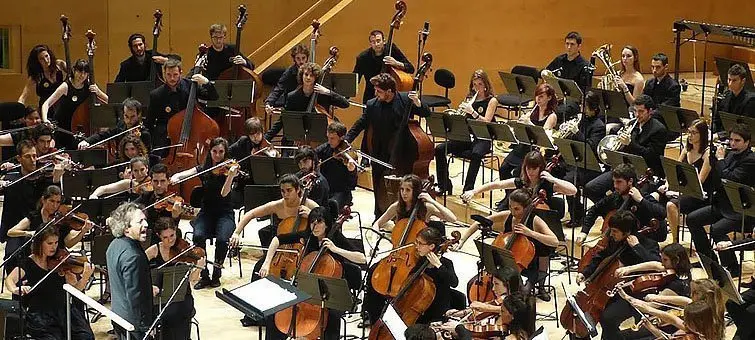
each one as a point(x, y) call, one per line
point(425, 31)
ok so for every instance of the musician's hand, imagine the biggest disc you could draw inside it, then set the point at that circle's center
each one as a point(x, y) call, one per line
point(390, 61)
point(155, 290)
point(451, 312)
point(433, 259)
point(87, 227)
point(83, 145)
point(632, 240)
point(580, 278)
point(30, 233)
point(88, 269)
point(414, 96)
point(173, 179)
point(268, 109)
point(93, 88)
point(126, 174)
point(239, 60)
point(178, 209)
point(635, 194)
point(23, 290)
point(622, 85)
point(6, 166)
point(304, 211)
point(233, 171)
point(327, 243)
point(202, 262)
point(264, 269)
point(625, 138)
point(58, 170)
point(200, 79)
point(322, 90)
point(621, 272)
point(663, 188)
point(581, 237)
point(425, 197)
point(720, 153)
point(466, 107)
point(547, 176)
point(522, 229)
point(234, 241)
point(652, 298)
point(723, 245)
point(467, 196)
point(477, 305)
point(159, 59)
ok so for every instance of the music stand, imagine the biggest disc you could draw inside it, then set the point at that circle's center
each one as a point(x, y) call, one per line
point(328, 292)
point(345, 84)
point(257, 195)
point(458, 130)
point(515, 84)
point(573, 153)
point(741, 197)
point(502, 132)
point(139, 90)
point(728, 120)
point(493, 257)
point(95, 157)
point(614, 158)
point(612, 103)
point(267, 170)
point(721, 275)
point(303, 126)
point(683, 178)
point(571, 89)
point(262, 298)
point(167, 279)
point(532, 135)
point(677, 119)
point(553, 82)
point(81, 183)
point(233, 93)
point(723, 65)
point(103, 118)
point(437, 125)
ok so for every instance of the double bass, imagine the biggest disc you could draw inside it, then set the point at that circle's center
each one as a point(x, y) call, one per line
point(156, 29)
point(311, 319)
point(194, 130)
point(232, 123)
point(326, 67)
point(80, 120)
point(66, 40)
point(404, 80)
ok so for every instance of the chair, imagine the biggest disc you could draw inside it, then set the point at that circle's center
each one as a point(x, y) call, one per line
point(513, 101)
point(445, 79)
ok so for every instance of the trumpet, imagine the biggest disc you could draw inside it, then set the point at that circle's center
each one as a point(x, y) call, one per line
point(608, 82)
point(466, 103)
point(568, 128)
point(613, 142)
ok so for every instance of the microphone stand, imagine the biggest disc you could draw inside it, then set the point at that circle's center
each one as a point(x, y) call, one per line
point(294, 309)
point(363, 285)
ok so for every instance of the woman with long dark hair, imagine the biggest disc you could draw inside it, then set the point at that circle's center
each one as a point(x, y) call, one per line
point(44, 72)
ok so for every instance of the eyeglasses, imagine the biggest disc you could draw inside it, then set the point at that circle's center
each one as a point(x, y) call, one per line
point(417, 242)
point(218, 37)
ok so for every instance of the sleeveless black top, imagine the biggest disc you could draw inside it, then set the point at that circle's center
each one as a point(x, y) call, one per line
point(68, 104)
point(540, 248)
point(698, 164)
point(480, 106)
point(45, 87)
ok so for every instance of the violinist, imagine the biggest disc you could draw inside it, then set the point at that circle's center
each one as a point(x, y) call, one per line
point(48, 207)
point(45, 315)
point(515, 317)
point(647, 139)
point(537, 231)
point(137, 182)
point(737, 166)
point(370, 62)
point(132, 116)
point(249, 144)
point(45, 73)
point(591, 129)
point(171, 98)
point(74, 91)
point(534, 177)
point(340, 172)
point(41, 136)
point(646, 207)
point(176, 320)
point(623, 232)
point(673, 280)
point(160, 182)
point(384, 115)
point(480, 104)
point(216, 216)
point(696, 322)
point(543, 114)
point(308, 163)
point(320, 233)
point(298, 99)
point(411, 194)
point(441, 271)
point(131, 147)
point(26, 192)
point(287, 82)
point(30, 119)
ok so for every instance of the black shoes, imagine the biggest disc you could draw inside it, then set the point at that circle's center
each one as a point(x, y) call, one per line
point(204, 282)
point(215, 282)
point(542, 294)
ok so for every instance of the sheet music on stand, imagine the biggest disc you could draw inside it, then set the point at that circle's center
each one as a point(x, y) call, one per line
point(721, 275)
point(264, 297)
point(395, 324)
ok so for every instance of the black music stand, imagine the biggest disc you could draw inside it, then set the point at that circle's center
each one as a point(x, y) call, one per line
point(139, 90)
point(267, 170)
point(728, 120)
point(436, 123)
point(257, 195)
point(722, 276)
point(677, 119)
point(573, 153)
point(532, 135)
point(683, 178)
point(305, 127)
point(94, 157)
point(723, 65)
point(571, 90)
point(741, 198)
point(103, 120)
point(170, 277)
point(233, 93)
point(612, 103)
point(345, 84)
point(494, 258)
point(262, 298)
point(485, 131)
point(81, 183)
point(614, 158)
point(516, 84)
point(328, 292)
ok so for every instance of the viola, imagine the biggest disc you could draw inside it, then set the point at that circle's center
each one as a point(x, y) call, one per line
point(168, 204)
point(144, 187)
point(223, 170)
point(266, 148)
point(73, 264)
point(76, 220)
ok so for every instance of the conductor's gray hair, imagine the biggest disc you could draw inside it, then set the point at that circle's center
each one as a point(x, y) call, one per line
point(120, 218)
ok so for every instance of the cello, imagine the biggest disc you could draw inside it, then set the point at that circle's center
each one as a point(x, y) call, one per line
point(229, 123)
point(415, 296)
point(194, 130)
point(404, 80)
point(81, 120)
point(311, 319)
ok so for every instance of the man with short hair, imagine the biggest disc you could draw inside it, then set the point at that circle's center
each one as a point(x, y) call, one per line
point(222, 56)
point(308, 163)
point(662, 87)
point(342, 178)
point(30, 119)
point(371, 61)
point(171, 98)
point(160, 181)
point(736, 166)
point(132, 116)
point(136, 67)
point(737, 100)
point(288, 80)
point(571, 65)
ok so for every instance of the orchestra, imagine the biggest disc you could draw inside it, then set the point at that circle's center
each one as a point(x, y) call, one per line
point(129, 207)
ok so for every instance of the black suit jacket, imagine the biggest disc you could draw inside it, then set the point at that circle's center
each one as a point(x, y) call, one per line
point(130, 283)
point(650, 144)
point(369, 65)
point(646, 250)
point(591, 130)
point(736, 167)
point(666, 92)
point(286, 84)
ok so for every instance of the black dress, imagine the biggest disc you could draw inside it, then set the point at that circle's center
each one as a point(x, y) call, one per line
point(46, 315)
point(64, 113)
point(45, 88)
point(175, 324)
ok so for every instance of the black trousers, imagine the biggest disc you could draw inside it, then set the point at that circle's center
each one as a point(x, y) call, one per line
point(342, 197)
point(597, 187)
point(578, 177)
point(473, 151)
point(743, 315)
point(720, 226)
point(617, 310)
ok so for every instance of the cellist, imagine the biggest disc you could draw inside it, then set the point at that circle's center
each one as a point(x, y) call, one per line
point(384, 115)
point(318, 234)
point(536, 230)
point(411, 194)
point(623, 231)
point(506, 281)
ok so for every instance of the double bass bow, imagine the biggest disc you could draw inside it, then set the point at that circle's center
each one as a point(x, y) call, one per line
point(404, 80)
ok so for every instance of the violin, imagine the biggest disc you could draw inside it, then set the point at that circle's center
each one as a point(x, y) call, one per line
point(76, 220)
point(266, 148)
point(168, 204)
point(144, 186)
point(71, 263)
point(178, 252)
point(223, 170)
point(345, 153)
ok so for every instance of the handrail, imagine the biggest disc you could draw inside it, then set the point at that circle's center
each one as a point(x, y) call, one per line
point(97, 306)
